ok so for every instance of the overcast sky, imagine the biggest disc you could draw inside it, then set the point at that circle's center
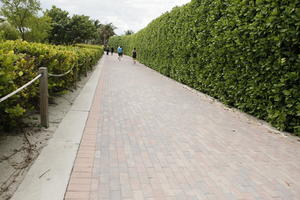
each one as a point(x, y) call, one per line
point(124, 14)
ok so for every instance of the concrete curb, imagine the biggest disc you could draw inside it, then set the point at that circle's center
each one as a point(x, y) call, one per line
point(48, 177)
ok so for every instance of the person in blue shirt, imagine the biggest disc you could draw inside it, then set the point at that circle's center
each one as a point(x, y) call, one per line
point(120, 52)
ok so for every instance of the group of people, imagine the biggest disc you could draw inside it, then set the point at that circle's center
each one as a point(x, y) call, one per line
point(120, 52)
point(107, 50)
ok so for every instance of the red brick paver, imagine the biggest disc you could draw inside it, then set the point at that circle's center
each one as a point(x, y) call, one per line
point(148, 137)
point(82, 181)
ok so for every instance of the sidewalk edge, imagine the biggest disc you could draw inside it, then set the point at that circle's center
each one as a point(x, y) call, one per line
point(48, 177)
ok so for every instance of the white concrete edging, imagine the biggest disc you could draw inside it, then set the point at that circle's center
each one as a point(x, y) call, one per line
point(48, 177)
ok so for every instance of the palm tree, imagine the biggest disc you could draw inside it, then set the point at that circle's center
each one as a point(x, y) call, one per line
point(97, 23)
point(129, 32)
point(105, 32)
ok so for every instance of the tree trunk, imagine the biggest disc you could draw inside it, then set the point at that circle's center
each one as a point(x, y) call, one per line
point(22, 33)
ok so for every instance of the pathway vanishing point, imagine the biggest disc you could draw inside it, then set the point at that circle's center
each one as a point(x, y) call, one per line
point(150, 138)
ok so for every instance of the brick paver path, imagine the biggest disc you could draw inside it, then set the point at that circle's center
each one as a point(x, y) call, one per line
point(148, 137)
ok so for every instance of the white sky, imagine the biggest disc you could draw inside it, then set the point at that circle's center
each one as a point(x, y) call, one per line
point(124, 14)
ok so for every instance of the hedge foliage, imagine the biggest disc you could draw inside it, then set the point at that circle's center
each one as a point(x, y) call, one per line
point(244, 53)
point(20, 62)
point(90, 46)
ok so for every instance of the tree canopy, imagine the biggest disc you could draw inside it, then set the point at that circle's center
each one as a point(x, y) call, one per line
point(82, 29)
point(105, 31)
point(129, 32)
point(54, 25)
point(19, 13)
point(60, 21)
point(8, 32)
point(40, 28)
point(77, 29)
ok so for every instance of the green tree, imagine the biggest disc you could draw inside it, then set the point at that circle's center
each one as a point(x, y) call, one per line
point(40, 28)
point(60, 22)
point(19, 13)
point(105, 32)
point(8, 32)
point(82, 29)
point(97, 23)
point(70, 30)
point(129, 32)
point(2, 19)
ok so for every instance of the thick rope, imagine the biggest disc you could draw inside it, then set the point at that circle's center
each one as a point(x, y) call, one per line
point(60, 75)
point(21, 88)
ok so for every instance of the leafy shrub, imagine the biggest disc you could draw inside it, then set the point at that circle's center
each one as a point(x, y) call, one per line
point(99, 47)
point(244, 53)
point(8, 31)
point(20, 62)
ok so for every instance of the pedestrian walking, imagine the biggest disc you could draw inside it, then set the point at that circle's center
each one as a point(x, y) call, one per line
point(107, 50)
point(134, 54)
point(112, 51)
point(120, 52)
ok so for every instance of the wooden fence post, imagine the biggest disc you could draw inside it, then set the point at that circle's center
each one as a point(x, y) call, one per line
point(90, 63)
point(44, 97)
point(75, 77)
point(85, 70)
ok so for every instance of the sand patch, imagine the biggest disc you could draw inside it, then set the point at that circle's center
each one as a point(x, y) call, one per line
point(19, 149)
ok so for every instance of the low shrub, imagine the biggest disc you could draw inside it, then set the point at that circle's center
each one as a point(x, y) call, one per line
point(89, 46)
point(20, 62)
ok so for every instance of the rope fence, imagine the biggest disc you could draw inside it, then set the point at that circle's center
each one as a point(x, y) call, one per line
point(20, 89)
point(61, 75)
point(43, 77)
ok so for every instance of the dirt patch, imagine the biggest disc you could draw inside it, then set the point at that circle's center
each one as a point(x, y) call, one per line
point(19, 149)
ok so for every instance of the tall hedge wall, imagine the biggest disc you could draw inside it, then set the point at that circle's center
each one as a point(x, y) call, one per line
point(20, 62)
point(246, 53)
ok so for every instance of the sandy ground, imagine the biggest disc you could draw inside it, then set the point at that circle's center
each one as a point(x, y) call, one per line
point(18, 150)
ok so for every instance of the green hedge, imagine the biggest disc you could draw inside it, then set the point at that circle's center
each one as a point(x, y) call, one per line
point(19, 63)
point(90, 46)
point(244, 53)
